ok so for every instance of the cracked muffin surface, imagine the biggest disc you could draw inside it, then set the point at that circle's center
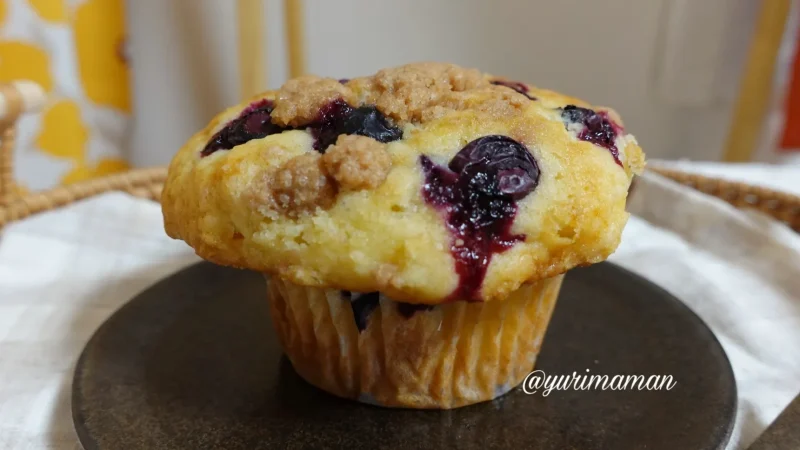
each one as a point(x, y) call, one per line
point(427, 182)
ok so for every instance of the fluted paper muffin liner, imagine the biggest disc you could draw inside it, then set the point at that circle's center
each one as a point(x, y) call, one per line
point(445, 356)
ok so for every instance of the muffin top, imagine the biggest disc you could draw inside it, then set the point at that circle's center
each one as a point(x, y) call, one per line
point(427, 182)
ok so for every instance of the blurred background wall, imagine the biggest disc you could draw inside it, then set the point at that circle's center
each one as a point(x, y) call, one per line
point(128, 81)
point(670, 67)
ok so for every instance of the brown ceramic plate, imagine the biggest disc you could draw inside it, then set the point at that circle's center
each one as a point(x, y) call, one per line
point(193, 363)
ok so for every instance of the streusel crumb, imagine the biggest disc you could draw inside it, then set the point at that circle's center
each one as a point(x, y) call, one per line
point(301, 185)
point(299, 100)
point(357, 162)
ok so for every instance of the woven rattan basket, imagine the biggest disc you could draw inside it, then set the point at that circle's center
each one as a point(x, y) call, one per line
point(147, 183)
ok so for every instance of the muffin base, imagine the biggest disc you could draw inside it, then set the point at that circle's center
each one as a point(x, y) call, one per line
point(452, 355)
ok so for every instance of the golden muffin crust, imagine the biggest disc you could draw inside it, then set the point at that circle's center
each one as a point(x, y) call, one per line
point(354, 211)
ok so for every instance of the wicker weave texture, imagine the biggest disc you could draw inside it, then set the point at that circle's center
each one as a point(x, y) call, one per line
point(779, 205)
point(7, 187)
point(143, 183)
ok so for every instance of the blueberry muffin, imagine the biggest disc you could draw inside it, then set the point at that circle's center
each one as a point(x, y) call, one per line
point(414, 225)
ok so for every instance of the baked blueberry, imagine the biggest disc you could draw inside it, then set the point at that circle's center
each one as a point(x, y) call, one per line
point(477, 193)
point(334, 119)
point(515, 85)
point(598, 128)
point(362, 305)
point(253, 123)
point(408, 310)
point(338, 118)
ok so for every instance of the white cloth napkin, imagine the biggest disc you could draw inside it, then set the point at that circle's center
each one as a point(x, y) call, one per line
point(740, 272)
point(64, 272)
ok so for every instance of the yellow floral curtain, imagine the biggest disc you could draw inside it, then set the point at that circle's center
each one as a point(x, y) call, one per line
point(76, 51)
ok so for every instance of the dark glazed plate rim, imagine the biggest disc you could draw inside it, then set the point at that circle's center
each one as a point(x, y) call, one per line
point(89, 443)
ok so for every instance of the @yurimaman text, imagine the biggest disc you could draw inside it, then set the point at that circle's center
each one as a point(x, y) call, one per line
point(538, 381)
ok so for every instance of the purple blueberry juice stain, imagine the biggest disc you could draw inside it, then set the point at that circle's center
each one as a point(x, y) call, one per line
point(598, 128)
point(334, 119)
point(477, 194)
point(515, 85)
